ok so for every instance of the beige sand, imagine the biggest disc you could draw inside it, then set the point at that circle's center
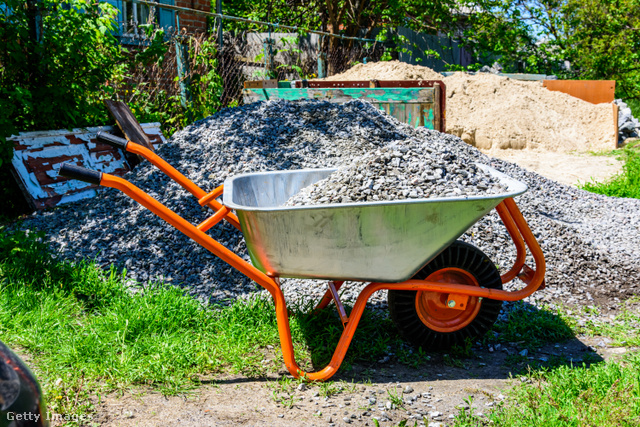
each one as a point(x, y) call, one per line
point(567, 168)
point(391, 70)
point(490, 111)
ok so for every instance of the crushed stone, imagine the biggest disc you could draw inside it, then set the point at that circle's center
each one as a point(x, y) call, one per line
point(410, 169)
point(591, 242)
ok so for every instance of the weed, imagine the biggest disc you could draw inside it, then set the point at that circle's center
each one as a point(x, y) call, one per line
point(466, 416)
point(622, 328)
point(329, 388)
point(453, 361)
point(625, 184)
point(463, 351)
point(409, 356)
point(395, 399)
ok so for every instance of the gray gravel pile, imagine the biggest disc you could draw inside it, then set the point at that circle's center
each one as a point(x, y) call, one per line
point(628, 126)
point(410, 169)
point(591, 242)
point(276, 135)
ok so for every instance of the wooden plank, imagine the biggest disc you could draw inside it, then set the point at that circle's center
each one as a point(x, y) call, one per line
point(593, 91)
point(438, 107)
point(260, 84)
point(37, 157)
point(127, 123)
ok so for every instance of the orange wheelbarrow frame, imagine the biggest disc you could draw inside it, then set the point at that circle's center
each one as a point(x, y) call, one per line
point(509, 213)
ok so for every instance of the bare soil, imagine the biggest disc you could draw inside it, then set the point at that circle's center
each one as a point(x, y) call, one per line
point(441, 389)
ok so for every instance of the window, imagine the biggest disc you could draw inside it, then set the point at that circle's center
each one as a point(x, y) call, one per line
point(132, 15)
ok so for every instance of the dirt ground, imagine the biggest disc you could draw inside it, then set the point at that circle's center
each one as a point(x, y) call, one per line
point(434, 392)
point(567, 168)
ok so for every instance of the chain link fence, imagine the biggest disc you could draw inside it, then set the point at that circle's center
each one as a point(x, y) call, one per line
point(199, 62)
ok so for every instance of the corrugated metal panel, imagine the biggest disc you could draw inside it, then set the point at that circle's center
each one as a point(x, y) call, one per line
point(593, 91)
point(38, 155)
point(417, 106)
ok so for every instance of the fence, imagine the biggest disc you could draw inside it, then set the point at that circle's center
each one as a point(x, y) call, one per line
point(219, 62)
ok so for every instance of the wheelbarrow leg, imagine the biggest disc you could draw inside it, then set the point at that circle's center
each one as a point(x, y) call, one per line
point(328, 296)
point(286, 342)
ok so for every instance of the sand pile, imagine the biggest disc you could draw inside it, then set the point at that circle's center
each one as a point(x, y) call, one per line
point(494, 112)
point(490, 111)
point(388, 70)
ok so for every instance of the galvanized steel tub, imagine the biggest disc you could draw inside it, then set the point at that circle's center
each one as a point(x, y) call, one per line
point(374, 241)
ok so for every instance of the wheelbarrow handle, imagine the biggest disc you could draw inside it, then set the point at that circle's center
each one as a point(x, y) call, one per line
point(71, 171)
point(112, 140)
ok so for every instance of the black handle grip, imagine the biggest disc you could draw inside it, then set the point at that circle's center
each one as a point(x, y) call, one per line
point(112, 140)
point(82, 174)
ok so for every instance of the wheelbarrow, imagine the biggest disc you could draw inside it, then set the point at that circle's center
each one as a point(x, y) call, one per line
point(441, 291)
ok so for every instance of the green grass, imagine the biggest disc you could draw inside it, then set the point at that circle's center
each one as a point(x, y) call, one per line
point(533, 327)
point(621, 328)
point(604, 394)
point(624, 184)
point(86, 332)
point(592, 394)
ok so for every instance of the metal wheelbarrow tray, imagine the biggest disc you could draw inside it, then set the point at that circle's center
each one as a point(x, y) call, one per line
point(441, 291)
point(386, 241)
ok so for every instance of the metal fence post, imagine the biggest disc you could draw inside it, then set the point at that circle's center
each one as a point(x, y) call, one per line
point(322, 59)
point(268, 55)
point(219, 19)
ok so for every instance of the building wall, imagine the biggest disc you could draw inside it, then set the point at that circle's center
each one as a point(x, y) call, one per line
point(194, 23)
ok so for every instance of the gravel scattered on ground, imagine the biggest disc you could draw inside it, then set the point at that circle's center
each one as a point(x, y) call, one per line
point(410, 169)
point(591, 242)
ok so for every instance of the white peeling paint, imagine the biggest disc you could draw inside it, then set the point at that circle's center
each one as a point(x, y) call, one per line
point(55, 145)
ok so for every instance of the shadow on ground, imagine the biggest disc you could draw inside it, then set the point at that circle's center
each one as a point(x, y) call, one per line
point(525, 338)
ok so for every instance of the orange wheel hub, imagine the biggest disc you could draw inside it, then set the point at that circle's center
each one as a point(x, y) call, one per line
point(432, 306)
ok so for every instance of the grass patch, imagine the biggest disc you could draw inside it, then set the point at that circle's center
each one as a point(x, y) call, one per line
point(533, 327)
point(625, 184)
point(604, 394)
point(85, 332)
point(622, 328)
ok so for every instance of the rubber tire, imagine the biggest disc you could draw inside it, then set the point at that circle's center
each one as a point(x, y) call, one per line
point(402, 304)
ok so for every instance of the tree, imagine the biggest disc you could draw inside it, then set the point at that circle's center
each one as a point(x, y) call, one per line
point(574, 39)
point(351, 18)
point(55, 59)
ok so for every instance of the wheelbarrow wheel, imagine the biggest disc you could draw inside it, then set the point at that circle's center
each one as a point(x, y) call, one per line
point(425, 320)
